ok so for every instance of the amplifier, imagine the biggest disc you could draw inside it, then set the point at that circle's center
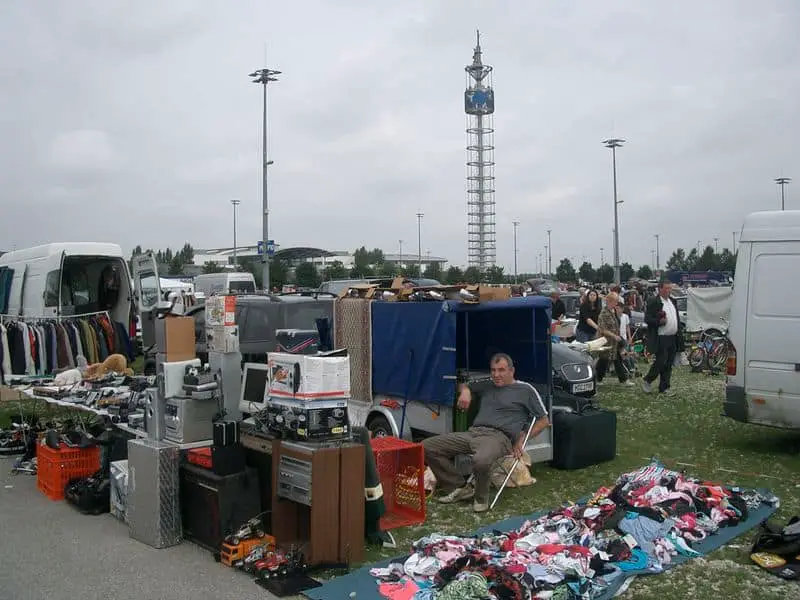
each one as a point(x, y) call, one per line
point(294, 479)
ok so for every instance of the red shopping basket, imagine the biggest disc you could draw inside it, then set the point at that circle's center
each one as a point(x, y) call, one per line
point(56, 467)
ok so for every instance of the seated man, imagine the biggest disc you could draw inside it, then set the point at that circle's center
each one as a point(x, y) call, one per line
point(506, 411)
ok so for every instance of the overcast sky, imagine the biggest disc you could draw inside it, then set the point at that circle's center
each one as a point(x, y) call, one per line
point(135, 122)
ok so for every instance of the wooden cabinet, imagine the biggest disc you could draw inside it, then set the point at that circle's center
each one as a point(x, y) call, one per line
point(329, 527)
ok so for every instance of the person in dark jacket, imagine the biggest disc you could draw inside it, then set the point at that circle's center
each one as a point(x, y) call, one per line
point(559, 309)
point(587, 317)
point(663, 335)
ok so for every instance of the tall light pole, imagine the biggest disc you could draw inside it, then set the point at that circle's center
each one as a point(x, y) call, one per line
point(602, 257)
point(783, 182)
point(544, 262)
point(549, 254)
point(235, 203)
point(658, 252)
point(716, 248)
point(734, 243)
point(653, 259)
point(516, 224)
point(615, 143)
point(263, 77)
point(419, 241)
point(400, 263)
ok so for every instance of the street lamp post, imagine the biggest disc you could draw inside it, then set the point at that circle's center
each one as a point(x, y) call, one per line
point(783, 182)
point(716, 247)
point(602, 257)
point(400, 263)
point(549, 254)
point(658, 252)
point(235, 203)
point(615, 143)
point(263, 77)
point(734, 243)
point(419, 242)
point(653, 259)
point(516, 224)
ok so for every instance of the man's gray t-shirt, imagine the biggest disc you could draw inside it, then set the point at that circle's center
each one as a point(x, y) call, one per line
point(509, 408)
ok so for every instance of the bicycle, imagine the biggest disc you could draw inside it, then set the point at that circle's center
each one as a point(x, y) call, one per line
point(711, 351)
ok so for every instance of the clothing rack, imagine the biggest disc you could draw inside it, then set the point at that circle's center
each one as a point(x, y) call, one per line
point(4, 318)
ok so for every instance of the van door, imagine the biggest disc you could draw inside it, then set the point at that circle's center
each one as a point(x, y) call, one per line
point(54, 295)
point(772, 363)
point(147, 290)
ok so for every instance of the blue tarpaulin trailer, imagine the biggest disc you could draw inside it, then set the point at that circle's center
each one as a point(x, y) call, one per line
point(419, 347)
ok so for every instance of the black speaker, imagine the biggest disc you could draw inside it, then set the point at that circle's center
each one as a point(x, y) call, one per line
point(213, 506)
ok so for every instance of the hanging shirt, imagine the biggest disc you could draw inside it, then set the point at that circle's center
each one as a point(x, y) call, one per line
point(671, 326)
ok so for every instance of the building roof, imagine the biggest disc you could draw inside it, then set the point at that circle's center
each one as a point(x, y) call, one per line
point(413, 257)
point(303, 253)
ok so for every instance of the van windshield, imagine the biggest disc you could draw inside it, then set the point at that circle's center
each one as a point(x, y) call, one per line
point(242, 287)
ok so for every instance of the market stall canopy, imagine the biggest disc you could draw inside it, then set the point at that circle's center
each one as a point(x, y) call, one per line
point(417, 347)
point(173, 285)
point(708, 308)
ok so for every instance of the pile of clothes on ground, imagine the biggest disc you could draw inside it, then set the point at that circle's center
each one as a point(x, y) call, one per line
point(582, 550)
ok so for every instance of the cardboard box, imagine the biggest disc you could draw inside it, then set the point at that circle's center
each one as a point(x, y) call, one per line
point(300, 420)
point(222, 338)
point(306, 377)
point(220, 311)
point(175, 338)
point(486, 293)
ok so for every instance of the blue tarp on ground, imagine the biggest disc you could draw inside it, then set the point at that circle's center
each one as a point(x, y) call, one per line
point(418, 346)
point(363, 584)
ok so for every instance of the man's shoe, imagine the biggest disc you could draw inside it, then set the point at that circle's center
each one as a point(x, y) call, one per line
point(628, 383)
point(669, 393)
point(463, 493)
point(479, 506)
point(647, 386)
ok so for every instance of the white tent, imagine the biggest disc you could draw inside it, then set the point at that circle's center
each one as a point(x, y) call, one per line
point(708, 308)
point(173, 285)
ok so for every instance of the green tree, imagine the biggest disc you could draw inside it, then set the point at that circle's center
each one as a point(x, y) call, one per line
point(586, 272)
point(361, 272)
point(335, 270)
point(306, 275)
point(606, 273)
point(473, 275)
point(645, 272)
point(691, 260)
point(707, 261)
point(388, 269)
point(454, 275)
point(176, 265)
point(726, 260)
point(433, 271)
point(137, 250)
point(494, 274)
point(375, 257)
point(677, 262)
point(362, 260)
point(626, 271)
point(212, 267)
point(186, 254)
point(412, 271)
point(565, 272)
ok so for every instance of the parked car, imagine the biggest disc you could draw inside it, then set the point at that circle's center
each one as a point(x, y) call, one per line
point(573, 371)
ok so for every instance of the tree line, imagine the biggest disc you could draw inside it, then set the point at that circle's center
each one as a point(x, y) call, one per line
point(373, 263)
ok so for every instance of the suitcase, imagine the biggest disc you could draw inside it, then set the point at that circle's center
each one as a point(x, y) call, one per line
point(582, 439)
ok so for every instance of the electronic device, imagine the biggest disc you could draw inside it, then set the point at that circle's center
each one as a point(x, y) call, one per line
point(255, 379)
point(294, 479)
point(189, 420)
point(173, 373)
point(154, 413)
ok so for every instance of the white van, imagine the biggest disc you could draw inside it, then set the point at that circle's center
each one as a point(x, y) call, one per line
point(225, 283)
point(66, 279)
point(763, 383)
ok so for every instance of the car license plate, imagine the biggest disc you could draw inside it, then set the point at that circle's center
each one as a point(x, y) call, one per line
point(583, 387)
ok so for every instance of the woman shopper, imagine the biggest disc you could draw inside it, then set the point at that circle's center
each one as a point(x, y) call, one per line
point(609, 327)
point(587, 317)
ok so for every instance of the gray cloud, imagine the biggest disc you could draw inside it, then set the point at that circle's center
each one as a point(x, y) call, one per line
point(137, 124)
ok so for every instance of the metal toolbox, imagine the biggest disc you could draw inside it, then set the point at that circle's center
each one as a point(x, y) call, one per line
point(154, 513)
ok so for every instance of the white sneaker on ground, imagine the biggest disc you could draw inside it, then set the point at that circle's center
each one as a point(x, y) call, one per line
point(647, 386)
point(628, 383)
point(480, 507)
point(457, 495)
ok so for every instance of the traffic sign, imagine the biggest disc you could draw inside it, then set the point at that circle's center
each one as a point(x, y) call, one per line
point(270, 248)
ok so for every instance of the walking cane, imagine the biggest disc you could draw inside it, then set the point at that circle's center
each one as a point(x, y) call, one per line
point(514, 466)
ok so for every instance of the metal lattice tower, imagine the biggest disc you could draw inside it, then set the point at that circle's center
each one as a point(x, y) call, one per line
point(479, 106)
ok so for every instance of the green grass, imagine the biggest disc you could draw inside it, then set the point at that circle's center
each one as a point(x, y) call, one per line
point(685, 429)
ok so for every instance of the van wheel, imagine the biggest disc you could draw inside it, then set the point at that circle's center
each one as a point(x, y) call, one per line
point(379, 427)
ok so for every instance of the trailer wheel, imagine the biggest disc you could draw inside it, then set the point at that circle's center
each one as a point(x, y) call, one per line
point(379, 426)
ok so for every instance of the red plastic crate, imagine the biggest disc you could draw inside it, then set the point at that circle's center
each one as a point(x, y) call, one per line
point(401, 468)
point(56, 467)
point(200, 457)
